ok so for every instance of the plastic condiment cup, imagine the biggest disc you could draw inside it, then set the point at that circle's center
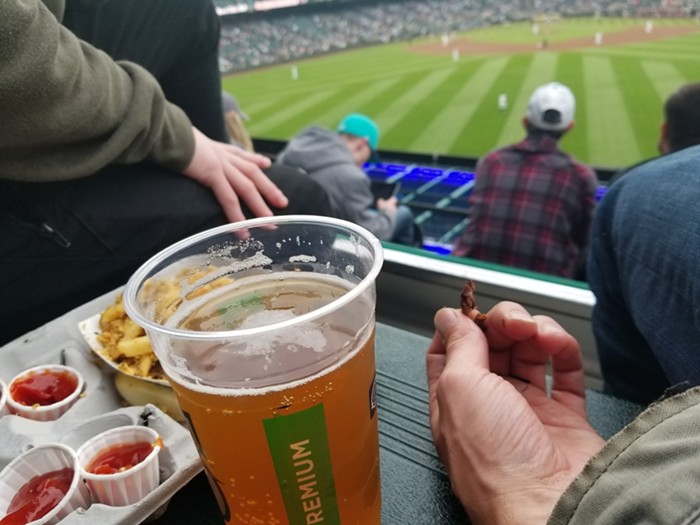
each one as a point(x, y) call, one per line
point(128, 486)
point(45, 412)
point(41, 460)
point(3, 398)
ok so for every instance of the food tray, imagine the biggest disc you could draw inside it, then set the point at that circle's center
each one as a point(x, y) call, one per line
point(99, 409)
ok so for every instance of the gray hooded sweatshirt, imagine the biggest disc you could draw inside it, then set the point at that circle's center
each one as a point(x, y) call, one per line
point(325, 156)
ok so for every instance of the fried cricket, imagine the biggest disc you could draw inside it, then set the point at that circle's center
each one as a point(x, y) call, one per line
point(468, 305)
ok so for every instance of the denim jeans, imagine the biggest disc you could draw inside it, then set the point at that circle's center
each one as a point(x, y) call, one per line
point(403, 227)
point(644, 269)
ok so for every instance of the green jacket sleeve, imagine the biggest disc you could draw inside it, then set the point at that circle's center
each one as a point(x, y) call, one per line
point(68, 109)
point(647, 473)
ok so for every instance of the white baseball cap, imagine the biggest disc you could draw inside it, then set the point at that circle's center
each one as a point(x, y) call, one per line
point(551, 107)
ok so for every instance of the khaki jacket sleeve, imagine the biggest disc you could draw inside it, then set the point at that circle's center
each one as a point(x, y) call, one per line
point(647, 473)
point(68, 109)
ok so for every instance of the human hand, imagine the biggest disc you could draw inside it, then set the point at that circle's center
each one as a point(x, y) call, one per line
point(389, 204)
point(233, 173)
point(510, 450)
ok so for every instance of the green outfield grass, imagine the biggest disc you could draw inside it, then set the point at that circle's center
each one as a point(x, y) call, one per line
point(427, 103)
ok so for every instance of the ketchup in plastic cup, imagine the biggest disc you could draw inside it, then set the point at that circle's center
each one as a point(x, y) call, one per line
point(120, 465)
point(41, 486)
point(44, 392)
point(120, 457)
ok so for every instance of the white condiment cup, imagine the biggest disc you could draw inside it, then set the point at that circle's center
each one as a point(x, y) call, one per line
point(35, 462)
point(129, 486)
point(45, 412)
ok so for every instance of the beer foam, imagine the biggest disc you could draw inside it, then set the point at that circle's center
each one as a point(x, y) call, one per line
point(195, 383)
point(250, 280)
point(306, 337)
point(302, 258)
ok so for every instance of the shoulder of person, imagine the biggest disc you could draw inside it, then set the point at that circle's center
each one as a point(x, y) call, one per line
point(641, 475)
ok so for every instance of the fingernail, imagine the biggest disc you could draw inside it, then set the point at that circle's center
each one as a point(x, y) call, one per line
point(444, 319)
point(550, 328)
point(519, 315)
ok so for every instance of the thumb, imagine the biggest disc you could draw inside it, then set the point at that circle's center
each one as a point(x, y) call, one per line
point(465, 344)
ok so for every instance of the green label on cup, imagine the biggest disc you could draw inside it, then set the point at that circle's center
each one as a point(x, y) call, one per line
point(299, 447)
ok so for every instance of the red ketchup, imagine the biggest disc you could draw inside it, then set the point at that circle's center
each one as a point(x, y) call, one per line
point(119, 458)
point(38, 497)
point(43, 388)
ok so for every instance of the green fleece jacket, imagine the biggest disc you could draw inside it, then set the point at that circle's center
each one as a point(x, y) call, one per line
point(648, 473)
point(68, 109)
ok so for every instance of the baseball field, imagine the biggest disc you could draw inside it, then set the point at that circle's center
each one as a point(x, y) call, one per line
point(437, 96)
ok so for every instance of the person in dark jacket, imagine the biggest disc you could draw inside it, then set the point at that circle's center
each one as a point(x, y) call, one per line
point(99, 168)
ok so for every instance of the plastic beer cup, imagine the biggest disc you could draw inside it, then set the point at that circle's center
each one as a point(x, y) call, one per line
point(265, 329)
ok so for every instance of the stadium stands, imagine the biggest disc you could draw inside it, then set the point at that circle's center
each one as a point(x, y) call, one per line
point(254, 35)
point(436, 195)
point(436, 188)
point(258, 39)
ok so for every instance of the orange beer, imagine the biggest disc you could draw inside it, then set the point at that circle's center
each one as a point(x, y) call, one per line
point(261, 473)
point(265, 329)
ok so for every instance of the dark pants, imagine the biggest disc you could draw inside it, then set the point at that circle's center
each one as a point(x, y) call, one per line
point(65, 243)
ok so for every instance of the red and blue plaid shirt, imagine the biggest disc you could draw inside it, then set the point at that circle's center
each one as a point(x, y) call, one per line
point(531, 207)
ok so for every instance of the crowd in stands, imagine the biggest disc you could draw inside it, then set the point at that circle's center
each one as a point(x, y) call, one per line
point(247, 43)
point(293, 33)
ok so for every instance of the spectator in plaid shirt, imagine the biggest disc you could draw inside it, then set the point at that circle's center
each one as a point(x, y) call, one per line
point(532, 204)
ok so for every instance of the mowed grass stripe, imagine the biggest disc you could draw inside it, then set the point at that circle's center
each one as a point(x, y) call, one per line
point(406, 132)
point(356, 100)
point(280, 103)
point(541, 71)
point(689, 70)
point(322, 112)
point(610, 133)
point(641, 53)
point(266, 126)
point(642, 102)
point(393, 114)
point(664, 78)
point(367, 64)
point(570, 72)
point(384, 99)
point(480, 133)
point(336, 70)
point(442, 132)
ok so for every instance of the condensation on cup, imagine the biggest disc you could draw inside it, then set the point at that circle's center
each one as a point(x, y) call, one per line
point(265, 329)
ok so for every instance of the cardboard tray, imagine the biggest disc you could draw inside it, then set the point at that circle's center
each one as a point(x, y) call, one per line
point(99, 409)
